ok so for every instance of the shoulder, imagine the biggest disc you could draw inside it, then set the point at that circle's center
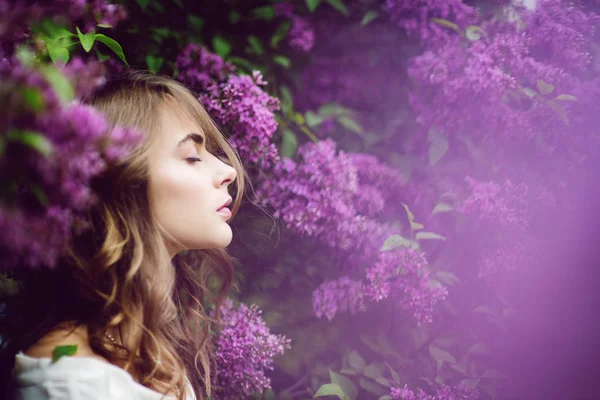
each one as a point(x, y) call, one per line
point(75, 378)
point(62, 335)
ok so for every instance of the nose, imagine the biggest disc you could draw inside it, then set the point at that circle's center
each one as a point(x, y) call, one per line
point(228, 174)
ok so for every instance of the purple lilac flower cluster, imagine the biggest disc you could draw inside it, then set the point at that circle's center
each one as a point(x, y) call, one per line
point(237, 102)
point(338, 295)
point(415, 17)
point(491, 80)
point(91, 13)
point(336, 198)
point(245, 351)
point(443, 392)
point(318, 196)
point(34, 233)
point(503, 212)
point(403, 274)
point(301, 36)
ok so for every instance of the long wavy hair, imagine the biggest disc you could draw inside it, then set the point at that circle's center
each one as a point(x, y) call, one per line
point(119, 275)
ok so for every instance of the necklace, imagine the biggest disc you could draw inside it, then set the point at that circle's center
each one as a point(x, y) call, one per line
point(114, 341)
point(124, 350)
point(121, 348)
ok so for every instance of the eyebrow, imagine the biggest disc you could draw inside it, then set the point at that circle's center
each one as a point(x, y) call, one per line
point(196, 137)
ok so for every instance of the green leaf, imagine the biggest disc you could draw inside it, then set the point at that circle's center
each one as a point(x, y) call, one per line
point(338, 5)
point(544, 88)
point(441, 208)
point(346, 384)
point(441, 355)
point(31, 139)
point(154, 63)
point(113, 45)
point(101, 57)
point(312, 119)
point(2, 146)
point(356, 361)
point(234, 17)
point(373, 371)
point(429, 236)
point(369, 16)
point(566, 97)
point(243, 63)
point(33, 98)
point(560, 110)
point(87, 40)
point(473, 32)
point(61, 351)
point(265, 12)
point(221, 46)
point(280, 33)
point(395, 375)
point(460, 367)
point(479, 348)
point(446, 23)
point(447, 277)
point(255, 44)
point(395, 241)
point(348, 371)
point(39, 194)
point(472, 383)
point(437, 148)
point(312, 4)
point(58, 55)
point(383, 381)
point(282, 60)
point(333, 109)
point(411, 219)
point(195, 22)
point(60, 84)
point(330, 389)
point(58, 33)
point(286, 101)
point(493, 374)
point(483, 310)
point(372, 387)
point(350, 124)
point(289, 143)
point(143, 4)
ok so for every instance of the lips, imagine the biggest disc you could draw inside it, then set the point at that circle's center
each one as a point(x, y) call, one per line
point(228, 202)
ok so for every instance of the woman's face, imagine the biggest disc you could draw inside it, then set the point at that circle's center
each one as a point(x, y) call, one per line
point(188, 185)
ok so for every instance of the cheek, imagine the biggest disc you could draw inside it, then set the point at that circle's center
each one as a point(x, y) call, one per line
point(174, 190)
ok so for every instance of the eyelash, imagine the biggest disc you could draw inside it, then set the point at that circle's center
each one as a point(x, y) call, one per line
point(193, 159)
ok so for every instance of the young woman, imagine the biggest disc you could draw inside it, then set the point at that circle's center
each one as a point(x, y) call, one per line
point(126, 295)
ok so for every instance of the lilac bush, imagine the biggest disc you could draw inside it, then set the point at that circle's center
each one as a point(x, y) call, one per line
point(245, 352)
point(70, 142)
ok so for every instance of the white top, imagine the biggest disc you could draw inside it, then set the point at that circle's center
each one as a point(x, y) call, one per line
point(78, 378)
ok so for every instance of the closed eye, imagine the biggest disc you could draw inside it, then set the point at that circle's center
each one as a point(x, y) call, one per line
point(192, 160)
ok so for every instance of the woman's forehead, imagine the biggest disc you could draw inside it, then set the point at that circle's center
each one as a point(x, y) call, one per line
point(176, 122)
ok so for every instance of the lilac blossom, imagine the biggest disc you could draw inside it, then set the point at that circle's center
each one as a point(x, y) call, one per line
point(500, 204)
point(416, 17)
point(245, 352)
point(442, 392)
point(339, 295)
point(404, 274)
point(301, 35)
